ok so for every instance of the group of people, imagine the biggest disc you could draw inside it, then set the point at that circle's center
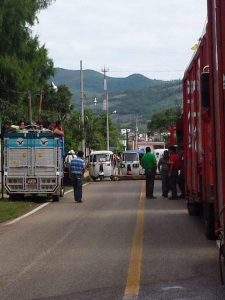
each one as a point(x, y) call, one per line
point(171, 168)
point(55, 127)
point(170, 165)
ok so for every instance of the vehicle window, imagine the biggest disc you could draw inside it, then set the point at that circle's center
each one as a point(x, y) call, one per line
point(130, 156)
point(158, 147)
point(102, 157)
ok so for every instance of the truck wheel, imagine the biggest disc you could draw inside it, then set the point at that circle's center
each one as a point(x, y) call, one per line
point(55, 198)
point(222, 262)
point(209, 221)
point(62, 191)
point(193, 208)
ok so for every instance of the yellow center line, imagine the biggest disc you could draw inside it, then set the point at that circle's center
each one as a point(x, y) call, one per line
point(134, 271)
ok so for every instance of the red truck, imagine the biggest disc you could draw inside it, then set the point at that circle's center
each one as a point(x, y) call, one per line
point(204, 126)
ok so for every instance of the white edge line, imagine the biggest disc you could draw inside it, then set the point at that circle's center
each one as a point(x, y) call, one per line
point(26, 215)
point(35, 210)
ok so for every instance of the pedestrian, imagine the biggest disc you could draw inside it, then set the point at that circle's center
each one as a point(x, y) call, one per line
point(163, 168)
point(118, 158)
point(181, 178)
point(7, 127)
point(173, 171)
point(70, 155)
point(77, 168)
point(58, 131)
point(21, 125)
point(149, 163)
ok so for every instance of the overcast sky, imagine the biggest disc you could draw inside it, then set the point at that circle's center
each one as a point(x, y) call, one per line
point(150, 37)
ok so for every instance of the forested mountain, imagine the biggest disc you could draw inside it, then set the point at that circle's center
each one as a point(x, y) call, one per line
point(135, 95)
point(93, 81)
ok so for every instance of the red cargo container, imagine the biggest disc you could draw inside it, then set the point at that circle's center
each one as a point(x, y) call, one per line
point(216, 23)
point(204, 123)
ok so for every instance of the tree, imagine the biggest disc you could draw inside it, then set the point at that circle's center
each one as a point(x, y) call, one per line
point(162, 121)
point(57, 105)
point(24, 65)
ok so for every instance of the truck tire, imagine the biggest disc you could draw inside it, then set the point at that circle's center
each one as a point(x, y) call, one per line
point(222, 262)
point(209, 221)
point(62, 191)
point(193, 208)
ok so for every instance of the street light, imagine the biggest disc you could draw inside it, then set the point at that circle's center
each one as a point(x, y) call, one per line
point(53, 88)
point(106, 104)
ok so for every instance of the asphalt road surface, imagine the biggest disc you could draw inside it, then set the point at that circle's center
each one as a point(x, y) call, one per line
point(114, 245)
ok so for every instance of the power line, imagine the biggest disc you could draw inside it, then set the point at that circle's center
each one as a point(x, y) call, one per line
point(143, 71)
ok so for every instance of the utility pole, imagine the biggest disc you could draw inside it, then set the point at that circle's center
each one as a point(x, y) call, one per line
point(82, 106)
point(136, 131)
point(40, 103)
point(30, 106)
point(106, 100)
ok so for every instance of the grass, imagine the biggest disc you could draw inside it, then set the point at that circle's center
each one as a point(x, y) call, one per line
point(13, 209)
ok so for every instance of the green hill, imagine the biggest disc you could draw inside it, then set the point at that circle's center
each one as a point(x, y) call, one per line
point(93, 81)
point(135, 95)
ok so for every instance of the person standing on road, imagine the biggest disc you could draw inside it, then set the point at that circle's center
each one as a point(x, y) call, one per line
point(163, 168)
point(77, 168)
point(149, 163)
point(181, 178)
point(174, 162)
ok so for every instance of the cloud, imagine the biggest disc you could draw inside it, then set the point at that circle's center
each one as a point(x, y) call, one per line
point(146, 36)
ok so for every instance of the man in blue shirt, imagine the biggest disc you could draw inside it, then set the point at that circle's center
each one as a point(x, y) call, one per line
point(77, 168)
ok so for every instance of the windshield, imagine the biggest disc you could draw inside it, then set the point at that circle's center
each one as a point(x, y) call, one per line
point(100, 157)
point(130, 157)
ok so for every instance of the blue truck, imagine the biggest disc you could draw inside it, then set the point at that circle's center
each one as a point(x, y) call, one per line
point(33, 164)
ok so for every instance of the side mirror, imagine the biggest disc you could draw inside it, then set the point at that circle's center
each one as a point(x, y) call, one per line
point(205, 90)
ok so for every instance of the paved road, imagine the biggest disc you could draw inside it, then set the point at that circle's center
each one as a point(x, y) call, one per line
point(115, 245)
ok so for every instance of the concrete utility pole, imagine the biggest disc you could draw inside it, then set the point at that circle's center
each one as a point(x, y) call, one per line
point(82, 107)
point(136, 131)
point(30, 106)
point(106, 107)
point(40, 103)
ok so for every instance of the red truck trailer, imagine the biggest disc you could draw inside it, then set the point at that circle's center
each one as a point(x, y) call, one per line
point(198, 137)
point(204, 125)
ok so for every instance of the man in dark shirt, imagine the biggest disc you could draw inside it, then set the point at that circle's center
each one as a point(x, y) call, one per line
point(173, 170)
